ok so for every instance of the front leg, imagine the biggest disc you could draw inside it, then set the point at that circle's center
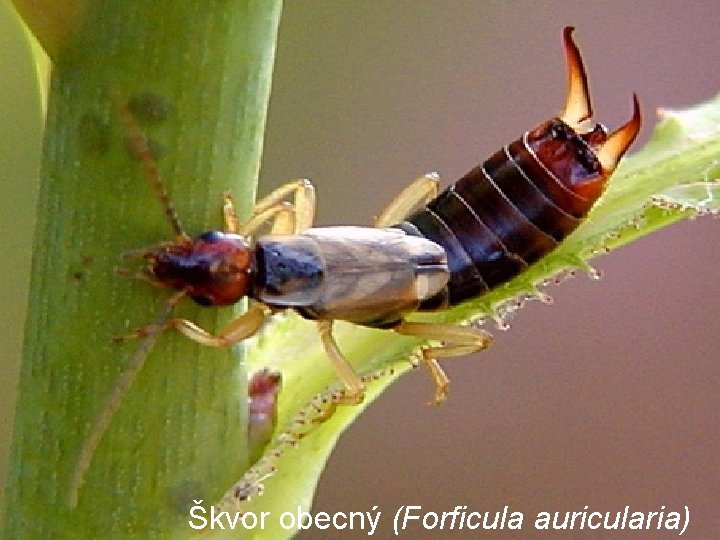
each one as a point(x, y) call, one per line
point(286, 218)
point(241, 328)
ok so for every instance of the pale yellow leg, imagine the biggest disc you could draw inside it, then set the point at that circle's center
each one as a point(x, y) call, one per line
point(232, 223)
point(456, 341)
point(239, 329)
point(285, 221)
point(282, 217)
point(413, 197)
point(301, 212)
point(354, 388)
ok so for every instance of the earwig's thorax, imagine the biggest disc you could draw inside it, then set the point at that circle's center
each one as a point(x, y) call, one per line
point(365, 276)
point(214, 269)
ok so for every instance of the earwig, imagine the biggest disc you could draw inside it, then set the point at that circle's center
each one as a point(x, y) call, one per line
point(428, 251)
point(497, 220)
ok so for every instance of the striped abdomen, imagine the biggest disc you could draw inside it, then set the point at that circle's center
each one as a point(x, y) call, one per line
point(524, 200)
point(513, 209)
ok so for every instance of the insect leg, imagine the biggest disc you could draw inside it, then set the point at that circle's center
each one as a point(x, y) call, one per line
point(232, 223)
point(239, 329)
point(354, 387)
point(290, 218)
point(456, 341)
point(417, 194)
point(281, 215)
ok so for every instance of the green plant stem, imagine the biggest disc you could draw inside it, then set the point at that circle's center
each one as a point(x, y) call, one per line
point(203, 70)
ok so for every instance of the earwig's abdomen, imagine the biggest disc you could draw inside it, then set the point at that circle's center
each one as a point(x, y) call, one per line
point(513, 209)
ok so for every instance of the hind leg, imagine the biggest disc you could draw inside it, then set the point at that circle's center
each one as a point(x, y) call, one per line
point(455, 340)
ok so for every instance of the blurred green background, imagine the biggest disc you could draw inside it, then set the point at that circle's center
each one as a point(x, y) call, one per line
point(20, 144)
point(607, 398)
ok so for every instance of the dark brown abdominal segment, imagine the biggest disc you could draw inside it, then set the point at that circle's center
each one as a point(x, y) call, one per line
point(557, 199)
point(527, 197)
point(499, 223)
point(465, 279)
point(515, 208)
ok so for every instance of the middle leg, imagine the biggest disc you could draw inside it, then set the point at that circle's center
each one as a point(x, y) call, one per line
point(354, 391)
point(413, 197)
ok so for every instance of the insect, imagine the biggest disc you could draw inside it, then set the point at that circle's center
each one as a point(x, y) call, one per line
point(501, 217)
point(428, 251)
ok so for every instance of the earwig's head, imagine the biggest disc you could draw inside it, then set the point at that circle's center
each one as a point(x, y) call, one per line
point(214, 269)
point(582, 160)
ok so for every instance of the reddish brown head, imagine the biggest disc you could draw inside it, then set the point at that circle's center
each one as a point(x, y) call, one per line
point(581, 160)
point(214, 269)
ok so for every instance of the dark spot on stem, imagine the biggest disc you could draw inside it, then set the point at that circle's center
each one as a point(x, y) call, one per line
point(149, 108)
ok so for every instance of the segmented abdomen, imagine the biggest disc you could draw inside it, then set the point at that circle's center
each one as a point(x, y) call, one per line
point(501, 216)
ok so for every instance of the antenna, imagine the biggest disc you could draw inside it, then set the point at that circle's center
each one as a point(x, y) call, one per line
point(102, 420)
point(139, 145)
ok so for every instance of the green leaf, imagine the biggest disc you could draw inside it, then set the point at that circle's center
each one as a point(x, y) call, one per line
point(674, 176)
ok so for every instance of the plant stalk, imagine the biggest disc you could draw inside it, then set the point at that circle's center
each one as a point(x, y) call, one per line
point(197, 77)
